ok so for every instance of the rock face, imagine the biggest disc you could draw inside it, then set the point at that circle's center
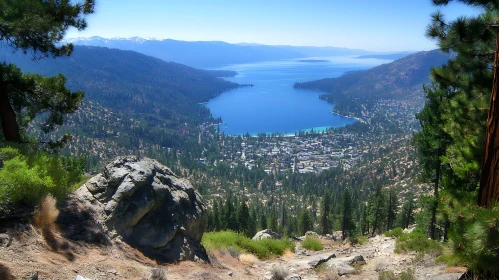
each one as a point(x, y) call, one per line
point(266, 234)
point(143, 203)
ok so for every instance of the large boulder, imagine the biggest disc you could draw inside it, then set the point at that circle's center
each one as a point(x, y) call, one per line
point(143, 203)
point(266, 234)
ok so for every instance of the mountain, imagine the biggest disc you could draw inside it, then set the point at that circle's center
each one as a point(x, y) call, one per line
point(203, 54)
point(391, 56)
point(399, 80)
point(132, 102)
point(130, 81)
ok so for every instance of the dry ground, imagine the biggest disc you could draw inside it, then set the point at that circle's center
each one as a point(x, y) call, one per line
point(55, 257)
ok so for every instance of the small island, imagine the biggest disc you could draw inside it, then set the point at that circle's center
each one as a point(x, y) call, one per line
point(312, 60)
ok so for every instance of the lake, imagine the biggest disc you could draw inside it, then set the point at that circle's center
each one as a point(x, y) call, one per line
point(272, 105)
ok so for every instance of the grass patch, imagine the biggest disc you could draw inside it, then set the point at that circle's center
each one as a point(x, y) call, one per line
point(396, 232)
point(449, 260)
point(417, 242)
point(263, 249)
point(361, 240)
point(389, 275)
point(312, 243)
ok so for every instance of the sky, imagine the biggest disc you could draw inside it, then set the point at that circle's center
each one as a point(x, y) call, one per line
point(375, 25)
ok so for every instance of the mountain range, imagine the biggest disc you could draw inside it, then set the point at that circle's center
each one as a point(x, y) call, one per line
point(206, 54)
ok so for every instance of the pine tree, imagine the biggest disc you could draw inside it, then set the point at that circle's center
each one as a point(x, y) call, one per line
point(37, 27)
point(391, 209)
point(325, 210)
point(347, 224)
point(406, 216)
point(243, 217)
point(469, 84)
point(377, 210)
point(305, 222)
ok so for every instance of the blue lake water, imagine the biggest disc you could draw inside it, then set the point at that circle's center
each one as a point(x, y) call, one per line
point(272, 105)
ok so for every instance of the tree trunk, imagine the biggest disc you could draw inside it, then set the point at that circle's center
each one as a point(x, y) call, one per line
point(9, 122)
point(435, 197)
point(488, 194)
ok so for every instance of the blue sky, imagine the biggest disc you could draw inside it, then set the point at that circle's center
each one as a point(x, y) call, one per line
point(377, 25)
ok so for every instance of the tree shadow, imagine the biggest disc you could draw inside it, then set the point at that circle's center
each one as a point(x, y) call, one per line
point(5, 273)
point(60, 247)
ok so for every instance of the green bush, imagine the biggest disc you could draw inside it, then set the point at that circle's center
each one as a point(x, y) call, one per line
point(417, 242)
point(407, 275)
point(449, 260)
point(404, 275)
point(396, 232)
point(263, 249)
point(312, 243)
point(387, 275)
point(26, 177)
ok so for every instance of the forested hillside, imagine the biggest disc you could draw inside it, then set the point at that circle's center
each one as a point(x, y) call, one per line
point(133, 103)
point(126, 81)
point(360, 90)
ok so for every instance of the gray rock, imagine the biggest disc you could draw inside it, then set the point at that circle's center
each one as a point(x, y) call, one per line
point(79, 277)
point(344, 265)
point(230, 273)
point(312, 234)
point(266, 234)
point(32, 276)
point(316, 263)
point(293, 277)
point(146, 205)
point(5, 240)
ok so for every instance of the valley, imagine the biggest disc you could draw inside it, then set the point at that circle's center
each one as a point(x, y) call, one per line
point(269, 140)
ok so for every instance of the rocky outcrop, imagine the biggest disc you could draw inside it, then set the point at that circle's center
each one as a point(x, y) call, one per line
point(266, 234)
point(146, 205)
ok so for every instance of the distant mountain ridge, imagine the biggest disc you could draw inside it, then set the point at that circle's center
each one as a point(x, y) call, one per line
point(209, 54)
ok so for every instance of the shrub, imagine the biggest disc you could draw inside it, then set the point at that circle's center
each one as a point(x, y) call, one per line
point(417, 242)
point(312, 243)
point(449, 260)
point(387, 275)
point(27, 177)
point(47, 213)
point(278, 273)
point(265, 248)
point(407, 275)
point(396, 232)
point(246, 258)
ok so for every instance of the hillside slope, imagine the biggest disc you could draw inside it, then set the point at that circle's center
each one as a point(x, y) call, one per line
point(400, 80)
point(131, 82)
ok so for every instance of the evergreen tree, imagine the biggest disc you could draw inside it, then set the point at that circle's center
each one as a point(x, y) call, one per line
point(305, 222)
point(37, 27)
point(377, 210)
point(243, 218)
point(406, 216)
point(325, 210)
point(272, 222)
point(347, 224)
point(216, 216)
point(469, 84)
point(391, 209)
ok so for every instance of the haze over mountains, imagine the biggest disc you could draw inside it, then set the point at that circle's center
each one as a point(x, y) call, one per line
point(204, 54)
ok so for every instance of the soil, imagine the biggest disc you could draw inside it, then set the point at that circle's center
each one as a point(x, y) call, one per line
point(55, 257)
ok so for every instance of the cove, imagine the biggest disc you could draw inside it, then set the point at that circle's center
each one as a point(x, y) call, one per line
point(272, 105)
